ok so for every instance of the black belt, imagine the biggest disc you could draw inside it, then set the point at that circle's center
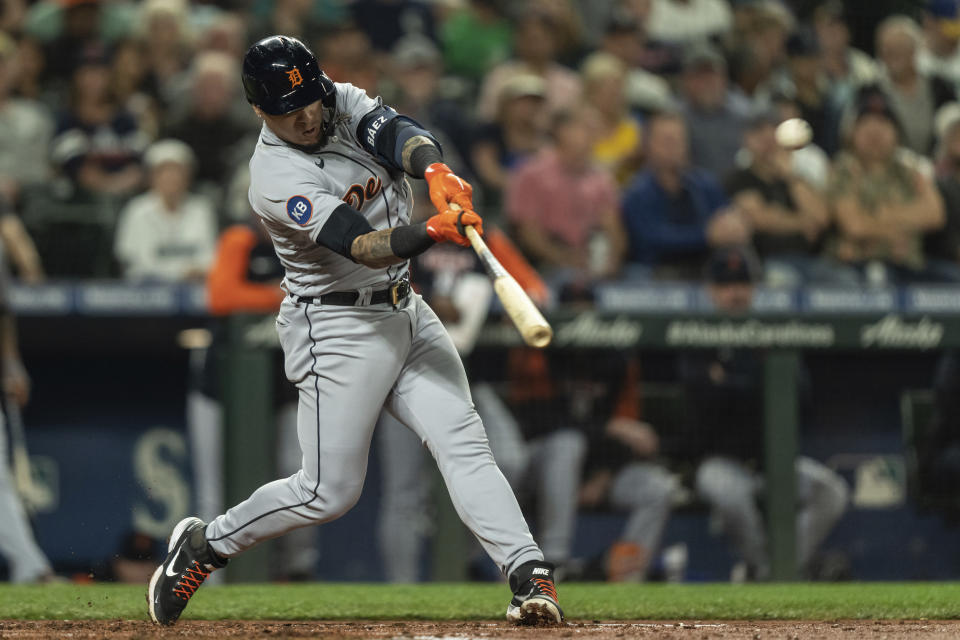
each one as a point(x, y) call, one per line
point(397, 292)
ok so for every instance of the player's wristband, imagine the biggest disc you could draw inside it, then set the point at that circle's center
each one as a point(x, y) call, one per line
point(410, 240)
point(422, 157)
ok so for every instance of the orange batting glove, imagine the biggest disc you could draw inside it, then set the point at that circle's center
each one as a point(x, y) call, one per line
point(448, 226)
point(446, 188)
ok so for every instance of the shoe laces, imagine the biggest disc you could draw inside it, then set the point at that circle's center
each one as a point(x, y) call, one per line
point(191, 579)
point(546, 587)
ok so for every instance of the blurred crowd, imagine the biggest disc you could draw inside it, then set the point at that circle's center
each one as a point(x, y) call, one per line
point(606, 140)
point(610, 139)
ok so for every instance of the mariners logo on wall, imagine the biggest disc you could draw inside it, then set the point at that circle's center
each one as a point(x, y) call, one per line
point(294, 77)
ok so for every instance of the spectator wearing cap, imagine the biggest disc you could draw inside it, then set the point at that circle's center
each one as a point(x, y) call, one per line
point(516, 134)
point(724, 438)
point(167, 233)
point(686, 21)
point(565, 208)
point(715, 117)
point(914, 96)
point(674, 213)
point(617, 145)
point(940, 54)
point(883, 202)
point(25, 131)
point(98, 144)
point(787, 215)
point(536, 48)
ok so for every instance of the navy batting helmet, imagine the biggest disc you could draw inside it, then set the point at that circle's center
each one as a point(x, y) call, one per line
point(280, 75)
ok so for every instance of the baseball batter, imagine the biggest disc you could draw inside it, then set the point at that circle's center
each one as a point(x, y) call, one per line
point(328, 182)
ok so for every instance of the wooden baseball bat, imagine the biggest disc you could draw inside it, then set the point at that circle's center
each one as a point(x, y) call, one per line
point(526, 317)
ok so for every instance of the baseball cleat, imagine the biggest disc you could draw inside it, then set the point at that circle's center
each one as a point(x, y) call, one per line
point(535, 598)
point(189, 561)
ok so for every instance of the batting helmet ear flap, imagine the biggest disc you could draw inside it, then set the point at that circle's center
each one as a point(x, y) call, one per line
point(329, 100)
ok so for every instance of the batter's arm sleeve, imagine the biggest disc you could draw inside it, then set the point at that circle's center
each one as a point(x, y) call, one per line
point(228, 289)
point(384, 133)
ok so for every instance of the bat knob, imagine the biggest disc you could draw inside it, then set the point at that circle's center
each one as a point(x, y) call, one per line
point(538, 337)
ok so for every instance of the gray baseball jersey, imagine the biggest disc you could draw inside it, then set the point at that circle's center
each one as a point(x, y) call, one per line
point(351, 362)
point(294, 192)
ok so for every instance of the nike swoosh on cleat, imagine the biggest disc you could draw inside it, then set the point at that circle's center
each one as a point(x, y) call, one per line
point(170, 566)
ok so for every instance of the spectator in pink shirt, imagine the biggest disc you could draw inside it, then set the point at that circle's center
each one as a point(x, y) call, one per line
point(565, 209)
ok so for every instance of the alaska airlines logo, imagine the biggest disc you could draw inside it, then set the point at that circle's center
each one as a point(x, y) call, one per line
point(893, 331)
point(294, 77)
point(357, 194)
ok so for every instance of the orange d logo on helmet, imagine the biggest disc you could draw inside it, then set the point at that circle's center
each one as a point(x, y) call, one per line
point(294, 77)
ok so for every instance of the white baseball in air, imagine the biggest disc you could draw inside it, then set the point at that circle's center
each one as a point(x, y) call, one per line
point(794, 133)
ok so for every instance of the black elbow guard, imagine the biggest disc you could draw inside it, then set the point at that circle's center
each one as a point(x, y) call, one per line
point(341, 229)
point(383, 132)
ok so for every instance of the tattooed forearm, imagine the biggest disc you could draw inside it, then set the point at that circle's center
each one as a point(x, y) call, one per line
point(373, 250)
point(406, 154)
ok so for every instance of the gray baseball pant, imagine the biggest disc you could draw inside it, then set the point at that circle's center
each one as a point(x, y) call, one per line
point(731, 490)
point(405, 522)
point(645, 490)
point(349, 363)
point(17, 544)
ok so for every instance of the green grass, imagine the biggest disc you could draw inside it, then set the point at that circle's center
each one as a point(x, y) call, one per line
point(488, 601)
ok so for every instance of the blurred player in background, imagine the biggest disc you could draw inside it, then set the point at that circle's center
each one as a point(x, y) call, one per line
point(622, 473)
point(578, 412)
point(724, 389)
point(26, 561)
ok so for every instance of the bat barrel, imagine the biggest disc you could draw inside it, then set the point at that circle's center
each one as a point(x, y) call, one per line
point(531, 324)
